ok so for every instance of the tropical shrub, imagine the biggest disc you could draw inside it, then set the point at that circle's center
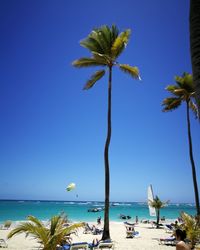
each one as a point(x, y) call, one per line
point(192, 228)
point(49, 237)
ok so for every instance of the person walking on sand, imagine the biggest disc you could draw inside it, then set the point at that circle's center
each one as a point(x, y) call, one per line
point(180, 236)
point(99, 220)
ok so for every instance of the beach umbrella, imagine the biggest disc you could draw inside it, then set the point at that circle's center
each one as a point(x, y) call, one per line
point(71, 186)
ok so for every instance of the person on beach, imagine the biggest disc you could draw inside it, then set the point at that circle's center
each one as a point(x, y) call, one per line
point(180, 237)
point(136, 219)
point(99, 220)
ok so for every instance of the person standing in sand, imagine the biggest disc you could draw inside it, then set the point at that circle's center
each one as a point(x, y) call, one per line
point(180, 236)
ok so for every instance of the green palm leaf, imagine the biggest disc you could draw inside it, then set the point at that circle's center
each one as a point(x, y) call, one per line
point(88, 62)
point(171, 103)
point(94, 78)
point(194, 109)
point(92, 44)
point(185, 82)
point(48, 237)
point(133, 71)
point(35, 220)
point(120, 43)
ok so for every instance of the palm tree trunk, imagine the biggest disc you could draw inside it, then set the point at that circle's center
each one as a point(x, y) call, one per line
point(106, 230)
point(192, 163)
point(158, 217)
point(195, 45)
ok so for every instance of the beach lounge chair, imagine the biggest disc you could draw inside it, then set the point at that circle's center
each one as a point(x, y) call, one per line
point(170, 241)
point(169, 228)
point(106, 244)
point(87, 229)
point(130, 230)
point(79, 246)
point(3, 243)
point(74, 246)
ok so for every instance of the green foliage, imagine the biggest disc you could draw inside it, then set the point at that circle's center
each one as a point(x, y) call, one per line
point(105, 45)
point(183, 91)
point(192, 228)
point(94, 78)
point(120, 43)
point(133, 71)
point(88, 62)
point(49, 237)
point(157, 203)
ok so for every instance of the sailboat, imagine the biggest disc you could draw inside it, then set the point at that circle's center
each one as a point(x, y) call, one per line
point(152, 210)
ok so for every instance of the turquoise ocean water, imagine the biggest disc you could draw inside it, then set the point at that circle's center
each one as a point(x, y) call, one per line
point(78, 211)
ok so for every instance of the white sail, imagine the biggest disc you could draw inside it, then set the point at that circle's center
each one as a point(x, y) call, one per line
point(152, 210)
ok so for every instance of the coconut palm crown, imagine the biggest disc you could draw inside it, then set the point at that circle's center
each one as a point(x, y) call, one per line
point(105, 45)
point(49, 237)
point(184, 92)
point(157, 204)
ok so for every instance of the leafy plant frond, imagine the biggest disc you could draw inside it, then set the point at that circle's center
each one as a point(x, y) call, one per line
point(171, 103)
point(94, 78)
point(101, 58)
point(91, 43)
point(191, 226)
point(48, 237)
point(120, 43)
point(157, 203)
point(186, 82)
point(194, 109)
point(88, 62)
point(133, 71)
point(35, 220)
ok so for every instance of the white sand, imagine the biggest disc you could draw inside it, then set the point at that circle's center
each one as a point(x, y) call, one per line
point(148, 239)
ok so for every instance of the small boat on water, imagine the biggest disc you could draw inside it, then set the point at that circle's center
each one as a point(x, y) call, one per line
point(124, 217)
point(96, 209)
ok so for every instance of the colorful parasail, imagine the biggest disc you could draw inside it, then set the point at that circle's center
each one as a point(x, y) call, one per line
point(71, 186)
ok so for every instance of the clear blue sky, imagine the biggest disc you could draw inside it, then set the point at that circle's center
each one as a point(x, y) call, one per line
point(53, 133)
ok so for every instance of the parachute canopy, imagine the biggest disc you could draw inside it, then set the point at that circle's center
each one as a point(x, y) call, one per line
point(71, 186)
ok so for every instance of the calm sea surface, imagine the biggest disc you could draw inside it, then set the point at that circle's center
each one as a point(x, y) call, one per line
point(78, 211)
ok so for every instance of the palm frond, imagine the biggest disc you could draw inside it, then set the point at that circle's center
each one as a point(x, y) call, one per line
point(35, 220)
point(157, 203)
point(173, 89)
point(29, 229)
point(120, 43)
point(171, 103)
point(91, 44)
point(133, 71)
point(55, 222)
point(94, 78)
point(101, 38)
point(87, 62)
point(194, 109)
point(185, 82)
point(114, 33)
point(104, 59)
point(191, 226)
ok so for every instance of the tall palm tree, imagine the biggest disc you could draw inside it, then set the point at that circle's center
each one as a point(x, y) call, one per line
point(106, 45)
point(184, 91)
point(50, 237)
point(157, 204)
point(195, 45)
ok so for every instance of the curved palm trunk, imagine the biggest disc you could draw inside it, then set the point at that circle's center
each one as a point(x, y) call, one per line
point(106, 230)
point(195, 45)
point(192, 163)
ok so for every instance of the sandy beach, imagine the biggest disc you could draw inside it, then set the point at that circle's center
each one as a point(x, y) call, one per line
point(148, 239)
